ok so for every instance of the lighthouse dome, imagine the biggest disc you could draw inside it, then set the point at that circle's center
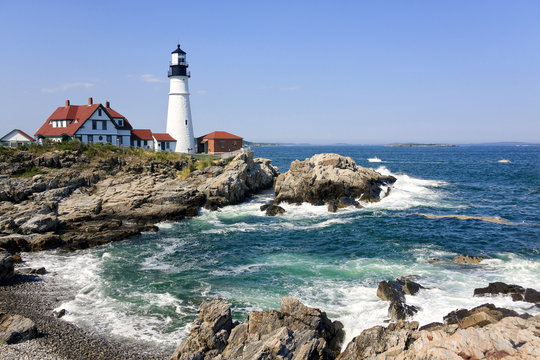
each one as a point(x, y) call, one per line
point(178, 51)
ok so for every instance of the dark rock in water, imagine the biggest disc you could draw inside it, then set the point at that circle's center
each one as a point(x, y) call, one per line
point(479, 316)
point(378, 339)
point(518, 293)
point(296, 331)
point(15, 329)
point(390, 291)
point(32, 271)
point(17, 259)
point(434, 261)
point(329, 177)
point(272, 209)
point(467, 260)
point(6, 265)
point(394, 291)
point(398, 310)
point(60, 313)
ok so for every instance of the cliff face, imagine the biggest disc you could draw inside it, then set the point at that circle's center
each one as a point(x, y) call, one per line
point(75, 201)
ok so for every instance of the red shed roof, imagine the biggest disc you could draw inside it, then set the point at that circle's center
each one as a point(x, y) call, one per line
point(142, 134)
point(78, 114)
point(220, 135)
point(163, 137)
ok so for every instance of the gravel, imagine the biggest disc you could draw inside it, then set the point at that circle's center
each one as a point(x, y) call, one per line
point(34, 298)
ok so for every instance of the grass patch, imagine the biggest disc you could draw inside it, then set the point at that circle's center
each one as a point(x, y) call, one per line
point(30, 172)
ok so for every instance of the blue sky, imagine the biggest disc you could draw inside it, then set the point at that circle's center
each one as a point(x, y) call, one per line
point(284, 71)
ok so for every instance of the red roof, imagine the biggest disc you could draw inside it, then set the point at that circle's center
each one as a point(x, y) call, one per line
point(163, 137)
point(221, 135)
point(78, 114)
point(142, 134)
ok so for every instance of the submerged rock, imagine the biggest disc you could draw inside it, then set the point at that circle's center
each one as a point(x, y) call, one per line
point(272, 209)
point(467, 260)
point(295, 332)
point(329, 178)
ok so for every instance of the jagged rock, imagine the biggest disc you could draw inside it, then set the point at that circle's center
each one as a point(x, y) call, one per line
point(518, 293)
point(329, 177)
point(6, 265)
point(272, 209)
point(295, 332)
point(377, 340)
point(58, 314)
point(15, 329)
point(467, 260)
point(32, 271)
point(394, 291)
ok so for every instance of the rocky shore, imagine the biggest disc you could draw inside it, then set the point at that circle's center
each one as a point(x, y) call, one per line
point(76, 200)
point(298, 332)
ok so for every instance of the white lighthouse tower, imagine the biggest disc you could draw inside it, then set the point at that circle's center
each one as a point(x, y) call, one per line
point(179, 124)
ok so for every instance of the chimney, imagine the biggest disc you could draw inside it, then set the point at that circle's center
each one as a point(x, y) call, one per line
point(90, 101)
point(67, 102)
point(107, 104)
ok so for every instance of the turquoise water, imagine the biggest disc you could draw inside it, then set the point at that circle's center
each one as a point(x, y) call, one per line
point(149, 288)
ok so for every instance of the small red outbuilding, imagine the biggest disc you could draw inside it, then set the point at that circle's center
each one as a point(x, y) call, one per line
point(219, 142)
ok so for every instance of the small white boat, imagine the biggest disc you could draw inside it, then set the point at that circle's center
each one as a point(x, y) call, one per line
point(374, 160)
point(504, 161)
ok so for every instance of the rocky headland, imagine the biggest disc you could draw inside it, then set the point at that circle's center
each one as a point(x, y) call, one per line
point(77, 199)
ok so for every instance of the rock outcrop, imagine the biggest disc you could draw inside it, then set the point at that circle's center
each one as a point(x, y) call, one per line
point(467, 335)
point(15, 329)
point(518, 293)
point(76, 202)
point(332, 179)
point(295, 332)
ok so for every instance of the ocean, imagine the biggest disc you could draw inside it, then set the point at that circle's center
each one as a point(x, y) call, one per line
point(149, 288)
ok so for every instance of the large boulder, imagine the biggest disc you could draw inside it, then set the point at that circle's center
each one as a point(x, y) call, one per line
point(295, 332)
point(15, 329)
point(329, 177)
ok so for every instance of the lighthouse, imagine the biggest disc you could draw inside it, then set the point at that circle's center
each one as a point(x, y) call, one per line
point(179, 124)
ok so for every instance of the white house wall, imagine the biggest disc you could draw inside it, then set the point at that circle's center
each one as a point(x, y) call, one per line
point(14, 136)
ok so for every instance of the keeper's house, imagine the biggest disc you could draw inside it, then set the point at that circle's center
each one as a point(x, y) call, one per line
point(95, 123)
point(15, 138)
point(90, 124)
point(218, 142)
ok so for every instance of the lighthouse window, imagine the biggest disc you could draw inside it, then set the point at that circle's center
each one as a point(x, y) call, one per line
point(186, 122)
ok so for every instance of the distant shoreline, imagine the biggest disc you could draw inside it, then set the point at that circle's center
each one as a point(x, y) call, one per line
point(421, 145)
